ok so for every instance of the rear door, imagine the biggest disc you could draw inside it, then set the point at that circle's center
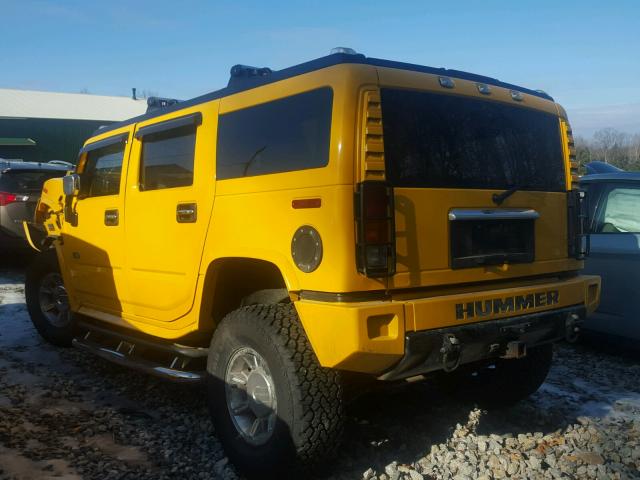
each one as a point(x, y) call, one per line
point(170, 190)
point(615, 256)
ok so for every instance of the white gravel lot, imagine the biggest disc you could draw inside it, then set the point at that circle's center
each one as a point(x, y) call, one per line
point(64, 414)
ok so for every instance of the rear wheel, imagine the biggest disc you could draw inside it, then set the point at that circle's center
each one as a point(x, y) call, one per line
point(273, 405)
point(502, 382)
point(47, 300)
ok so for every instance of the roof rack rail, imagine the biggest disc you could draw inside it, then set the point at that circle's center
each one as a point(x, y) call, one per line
point(241, 73)
point(158, 103)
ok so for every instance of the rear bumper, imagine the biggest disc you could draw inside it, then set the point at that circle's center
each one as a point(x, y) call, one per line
point(433, 350)
point(403, 337)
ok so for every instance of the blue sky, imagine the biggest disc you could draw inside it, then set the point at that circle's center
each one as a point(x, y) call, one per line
point(584, 53)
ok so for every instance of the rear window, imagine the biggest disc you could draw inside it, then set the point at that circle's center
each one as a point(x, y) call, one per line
point(18, 181)
point(292, 133)
point(446, 141)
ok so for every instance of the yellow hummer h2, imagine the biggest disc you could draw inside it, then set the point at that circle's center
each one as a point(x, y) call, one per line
point(348, 214)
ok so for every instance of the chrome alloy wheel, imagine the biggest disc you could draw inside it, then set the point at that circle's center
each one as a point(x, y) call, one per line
point(54, 301)
point(251, 396)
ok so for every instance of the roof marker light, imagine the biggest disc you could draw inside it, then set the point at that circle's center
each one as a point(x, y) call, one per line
point(484, 89)
point(446, 82)
point(517, 96)
point(345, 50)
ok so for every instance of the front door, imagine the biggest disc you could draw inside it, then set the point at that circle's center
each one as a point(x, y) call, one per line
point(93, 242)
point(615, 256)
point(169, 199)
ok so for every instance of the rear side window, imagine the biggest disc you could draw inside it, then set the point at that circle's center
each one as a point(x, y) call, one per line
point(26, 181)
point(101, 174)
point(167, 158)
point(433, 140)
point(289, 134)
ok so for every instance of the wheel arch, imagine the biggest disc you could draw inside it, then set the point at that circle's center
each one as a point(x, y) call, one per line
point(232, 282)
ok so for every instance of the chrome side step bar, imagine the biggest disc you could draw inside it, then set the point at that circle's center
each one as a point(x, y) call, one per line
point(169, 362)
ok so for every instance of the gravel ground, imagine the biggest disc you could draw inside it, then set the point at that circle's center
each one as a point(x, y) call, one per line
point(64, 414)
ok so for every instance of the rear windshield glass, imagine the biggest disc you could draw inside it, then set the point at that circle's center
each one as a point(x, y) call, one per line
point(446, 141)
point(17, 181)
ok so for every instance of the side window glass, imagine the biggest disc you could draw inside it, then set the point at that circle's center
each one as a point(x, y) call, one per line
point(621, 212)
point(167, 158)
point(102, 170)
point(287, 134)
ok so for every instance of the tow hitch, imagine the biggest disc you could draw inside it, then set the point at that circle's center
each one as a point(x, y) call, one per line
point(450, 352)
point(572, 328)
point(515, 350)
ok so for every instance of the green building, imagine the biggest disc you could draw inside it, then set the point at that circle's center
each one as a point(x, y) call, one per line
point(42, 126)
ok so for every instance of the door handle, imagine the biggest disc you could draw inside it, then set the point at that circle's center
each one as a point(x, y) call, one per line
point(187, 213)
point(111, 218)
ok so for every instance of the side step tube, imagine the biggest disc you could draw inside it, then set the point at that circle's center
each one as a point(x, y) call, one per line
point(123, 355)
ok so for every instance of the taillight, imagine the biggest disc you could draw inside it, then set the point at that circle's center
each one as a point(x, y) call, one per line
point(375, 229)
point(7, 198)
point(577, 236)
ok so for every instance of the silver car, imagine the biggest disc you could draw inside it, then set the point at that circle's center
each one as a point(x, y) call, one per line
point(614, 216)
point(20, 187)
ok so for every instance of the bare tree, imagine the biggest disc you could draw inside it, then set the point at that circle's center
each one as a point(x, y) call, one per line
point(609, 143)
point(634, 150)
point(611, 146)
point(583, 152)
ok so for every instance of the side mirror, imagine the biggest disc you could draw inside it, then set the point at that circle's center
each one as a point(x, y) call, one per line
point(71, 184)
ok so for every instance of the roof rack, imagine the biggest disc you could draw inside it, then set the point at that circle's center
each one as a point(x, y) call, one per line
point(240, 73)
point(244, 77)
point(158, 103)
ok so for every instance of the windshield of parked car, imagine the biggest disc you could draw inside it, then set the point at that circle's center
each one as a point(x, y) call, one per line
point(448, 141)
point(19, 181)
point(622, 211)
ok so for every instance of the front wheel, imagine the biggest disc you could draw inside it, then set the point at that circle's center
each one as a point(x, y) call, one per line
point(273, 405)
point(47, 300)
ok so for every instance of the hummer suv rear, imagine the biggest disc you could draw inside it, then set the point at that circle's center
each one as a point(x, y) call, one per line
point(348, 214)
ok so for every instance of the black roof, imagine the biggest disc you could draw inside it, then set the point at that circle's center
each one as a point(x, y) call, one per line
point(264, 76)
point(601, 167)
point(611, 177)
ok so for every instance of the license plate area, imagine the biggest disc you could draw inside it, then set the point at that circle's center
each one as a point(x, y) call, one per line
point(491, 237)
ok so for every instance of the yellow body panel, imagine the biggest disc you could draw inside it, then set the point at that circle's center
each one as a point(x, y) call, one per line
point(422, 230)
point(50, 208)
point(370, 338)
point(154, 275)
point(256, 213)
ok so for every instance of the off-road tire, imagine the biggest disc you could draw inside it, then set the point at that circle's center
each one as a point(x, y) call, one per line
point(309, 397)
point(501, 383)
point(42, 265)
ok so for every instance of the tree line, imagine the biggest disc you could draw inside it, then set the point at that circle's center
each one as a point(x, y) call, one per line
point(610, 146)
